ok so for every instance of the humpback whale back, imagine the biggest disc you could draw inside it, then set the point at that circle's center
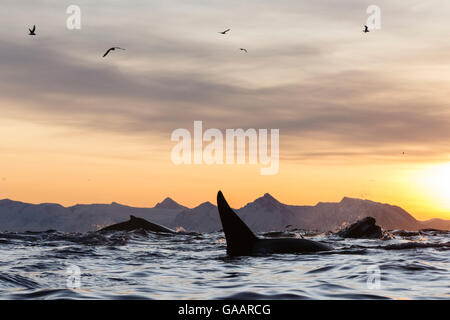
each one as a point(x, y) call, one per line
point(240, 239)
point(137, 223)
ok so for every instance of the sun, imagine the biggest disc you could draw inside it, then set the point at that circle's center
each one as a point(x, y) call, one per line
point(436, 181)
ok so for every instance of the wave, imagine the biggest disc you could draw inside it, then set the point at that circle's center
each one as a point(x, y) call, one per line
point(415, 245)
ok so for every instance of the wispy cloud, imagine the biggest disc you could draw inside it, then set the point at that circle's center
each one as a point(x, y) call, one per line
point(317, 78)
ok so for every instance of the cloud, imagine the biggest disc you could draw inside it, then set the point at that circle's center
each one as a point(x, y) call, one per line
point(312, 86)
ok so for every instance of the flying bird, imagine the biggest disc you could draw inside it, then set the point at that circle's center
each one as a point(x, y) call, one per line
point(243, 49)
point(32, 31)
point(112, 49)
point(225, 32)
point(366, 29)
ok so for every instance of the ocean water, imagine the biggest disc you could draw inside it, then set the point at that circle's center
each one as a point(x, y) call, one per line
point(141, 265)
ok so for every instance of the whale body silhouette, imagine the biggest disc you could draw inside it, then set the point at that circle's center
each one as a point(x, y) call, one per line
point(137, 223)
point(241, 241)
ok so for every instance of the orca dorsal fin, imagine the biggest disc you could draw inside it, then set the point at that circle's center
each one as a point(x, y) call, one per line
point(240, 238)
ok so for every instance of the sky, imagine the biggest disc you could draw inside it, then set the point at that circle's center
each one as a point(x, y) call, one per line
point(79, 128)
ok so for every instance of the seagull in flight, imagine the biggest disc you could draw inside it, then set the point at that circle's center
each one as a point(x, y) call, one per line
point(243, 49)
point(112, 49)
point(225, 32)
point(32, 31)
point(366, 29)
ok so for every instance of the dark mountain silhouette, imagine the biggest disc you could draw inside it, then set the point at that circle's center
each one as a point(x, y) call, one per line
point(168, 203)
point(436, 224)
point(203, 217)
point(267, 209)
point(262, 215)
point(332, 215)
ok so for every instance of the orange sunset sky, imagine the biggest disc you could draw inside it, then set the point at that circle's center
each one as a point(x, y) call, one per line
point(79, 128)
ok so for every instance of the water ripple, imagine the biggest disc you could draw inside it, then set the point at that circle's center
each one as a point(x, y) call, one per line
point(142, 265)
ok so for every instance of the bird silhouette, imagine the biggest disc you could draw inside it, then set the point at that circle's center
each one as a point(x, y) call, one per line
point(245, 50)
point(32, 31)
point(225, 32)
point(112, 49)
point(366, 29)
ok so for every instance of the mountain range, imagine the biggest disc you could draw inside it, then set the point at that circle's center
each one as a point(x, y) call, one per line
point(262, 215)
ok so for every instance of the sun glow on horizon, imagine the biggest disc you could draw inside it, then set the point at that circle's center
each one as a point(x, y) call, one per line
point(436, 181)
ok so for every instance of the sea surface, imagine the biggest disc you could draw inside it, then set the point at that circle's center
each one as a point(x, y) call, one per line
point(141, 265)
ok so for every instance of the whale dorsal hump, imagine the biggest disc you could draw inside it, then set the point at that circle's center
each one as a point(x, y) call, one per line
point(240, 238)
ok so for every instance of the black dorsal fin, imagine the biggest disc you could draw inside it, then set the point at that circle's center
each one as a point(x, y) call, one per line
point(240, 238)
